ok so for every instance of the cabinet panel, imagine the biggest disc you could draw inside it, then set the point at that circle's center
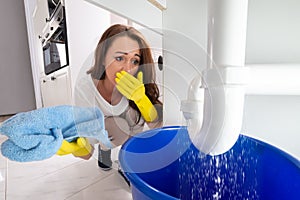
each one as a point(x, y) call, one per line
point(56, 89)
point(154, 38)
point(141, 15)
point(40, 16)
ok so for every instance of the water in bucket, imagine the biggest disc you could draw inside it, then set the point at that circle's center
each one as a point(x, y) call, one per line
point(164, 164)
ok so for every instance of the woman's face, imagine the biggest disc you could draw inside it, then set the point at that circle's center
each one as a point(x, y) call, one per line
point(123, 54)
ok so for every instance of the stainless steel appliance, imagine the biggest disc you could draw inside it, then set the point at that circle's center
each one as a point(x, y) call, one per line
point(55, 42)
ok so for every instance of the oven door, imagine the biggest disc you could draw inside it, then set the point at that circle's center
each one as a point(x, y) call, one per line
point(55, 56)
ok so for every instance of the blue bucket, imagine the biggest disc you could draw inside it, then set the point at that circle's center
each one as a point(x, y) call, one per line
point(163, 164)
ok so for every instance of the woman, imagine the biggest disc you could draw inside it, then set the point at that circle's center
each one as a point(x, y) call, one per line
point(122, 83)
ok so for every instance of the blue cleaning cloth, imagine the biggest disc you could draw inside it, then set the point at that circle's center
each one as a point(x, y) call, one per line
point(38, 134)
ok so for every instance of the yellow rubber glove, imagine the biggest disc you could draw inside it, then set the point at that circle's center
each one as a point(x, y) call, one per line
point(80, 147)
point(133, 88)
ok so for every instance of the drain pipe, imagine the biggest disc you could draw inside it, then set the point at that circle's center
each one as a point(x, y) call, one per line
point(214, 113)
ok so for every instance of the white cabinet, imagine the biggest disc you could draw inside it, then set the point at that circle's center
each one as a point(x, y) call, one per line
point(40, 16)
point(154, 39)
point(147, 14)
point(56, 88)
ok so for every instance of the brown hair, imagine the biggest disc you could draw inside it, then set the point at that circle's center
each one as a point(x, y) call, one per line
point(146, 62)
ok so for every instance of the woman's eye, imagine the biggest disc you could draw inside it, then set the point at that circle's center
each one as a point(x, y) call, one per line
point(119, 58)
point(135, 62)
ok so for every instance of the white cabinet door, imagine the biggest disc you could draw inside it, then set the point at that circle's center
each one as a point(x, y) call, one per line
point(154, 38)
point(40, 16)
point(56, 88)
point(147, 14)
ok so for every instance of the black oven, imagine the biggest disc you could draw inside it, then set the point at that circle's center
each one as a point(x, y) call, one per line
point(55, 43)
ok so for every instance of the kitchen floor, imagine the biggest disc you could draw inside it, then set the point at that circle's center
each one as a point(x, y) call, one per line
point(60, 177)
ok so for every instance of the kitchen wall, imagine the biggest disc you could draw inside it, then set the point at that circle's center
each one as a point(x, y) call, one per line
point(273, 31)
point(272, 37)
point(16, 83)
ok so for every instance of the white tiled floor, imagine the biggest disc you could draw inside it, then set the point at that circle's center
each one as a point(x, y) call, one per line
point(3, 167)
point(60, 177)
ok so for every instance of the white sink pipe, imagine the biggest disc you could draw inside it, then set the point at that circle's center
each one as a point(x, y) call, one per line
point(214, 108)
